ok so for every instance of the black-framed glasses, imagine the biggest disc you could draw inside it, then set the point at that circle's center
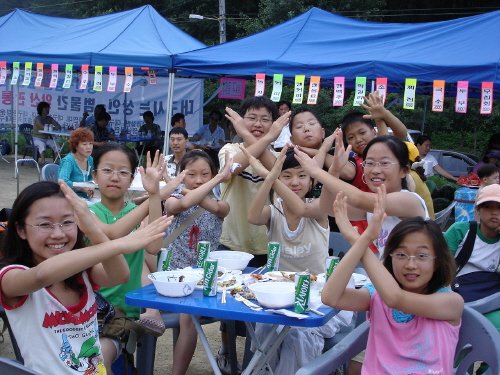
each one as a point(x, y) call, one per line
point(48, 226)
point(109, 172)
point(419, 258)
point(381, 164)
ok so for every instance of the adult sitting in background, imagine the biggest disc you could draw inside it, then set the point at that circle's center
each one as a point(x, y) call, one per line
point(178, 121)
point(416, 178)
point(178, 140)
point(89, 121)
point(77, 166)
point(40, 140)
point(151, 130)
point(431, 165)
point(490, 156)
point(210, 137)
point(101, 133)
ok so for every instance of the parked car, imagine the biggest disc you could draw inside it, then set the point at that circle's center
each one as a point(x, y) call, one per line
point(454, 162)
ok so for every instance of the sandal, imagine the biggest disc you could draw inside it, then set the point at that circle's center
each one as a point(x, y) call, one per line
point(152, 327)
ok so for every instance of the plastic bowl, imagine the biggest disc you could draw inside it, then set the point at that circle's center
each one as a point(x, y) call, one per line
point(167, 283)
point(274, 295)
point(232, 260)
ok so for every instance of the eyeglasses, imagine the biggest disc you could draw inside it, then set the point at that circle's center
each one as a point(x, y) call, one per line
point(310, 123)
point(109, 172)
point(381, 164)
point(254, 120)
point(47, 226)
point(419, 258)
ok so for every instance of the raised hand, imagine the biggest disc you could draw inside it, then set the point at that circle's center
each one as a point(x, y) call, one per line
point(341, 154)
point(374, 104)
point(255, 164)
point(225, 174)
point(309, 164)
point(379, 215)
point(278, 164)
point(279, 124)
point(238, 122)
point(83, 217)
point(145, 235)
point(154, 170)
point(172, 184)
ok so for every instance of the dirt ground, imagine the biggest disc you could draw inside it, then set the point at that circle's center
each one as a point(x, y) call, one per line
point(164, 350)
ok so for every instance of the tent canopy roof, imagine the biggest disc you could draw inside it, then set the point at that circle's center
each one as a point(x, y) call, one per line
point(321, 43)
point(139, 37)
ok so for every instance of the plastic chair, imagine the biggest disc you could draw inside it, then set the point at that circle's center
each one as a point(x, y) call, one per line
point(338, 244)
point(443, 215)
point(13, 341)
point(50, 172)
point(12, 367)
point(27, 131)
point(486, 304)
point(477, 335)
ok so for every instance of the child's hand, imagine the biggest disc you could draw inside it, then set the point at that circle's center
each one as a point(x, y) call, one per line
point(171, 185)
point(145, 235)
point(328, 141)
point(278, 164)
point(341, 154)
point(309, 164)
point(374, 105)
point(225, 174)
point(83, 216)
point(278, 125)
point(255, 164)
point(238, 122)
point(342, 219)
point(379, 215)
point(154, 170)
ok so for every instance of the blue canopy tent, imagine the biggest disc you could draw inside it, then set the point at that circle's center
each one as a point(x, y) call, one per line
point(135, 38)
point(324, 44)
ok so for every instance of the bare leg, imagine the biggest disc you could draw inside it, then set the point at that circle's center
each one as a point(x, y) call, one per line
point(108, 352)
point(42, 157)
point(186, 345)
point(151, 314)
point(354, 368)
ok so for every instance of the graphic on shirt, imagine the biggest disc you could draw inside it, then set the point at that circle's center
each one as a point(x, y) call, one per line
point(87, 361)
point(420, 357)
point(296, 251)
point(382, 237)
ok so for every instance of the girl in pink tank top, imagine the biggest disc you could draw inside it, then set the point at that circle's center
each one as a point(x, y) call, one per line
point(413, 330)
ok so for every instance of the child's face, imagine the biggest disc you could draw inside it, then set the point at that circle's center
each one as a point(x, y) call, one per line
point(84, 148)
point(48, 244)
point(297, 180)
point(490, 180)
point(198, 174)
point(489, 216)
point(414, 275)
point(178, 143)
point(358, 135)
point(307, 131)
point(258, 121)
point(390, 176)
point(112, 185)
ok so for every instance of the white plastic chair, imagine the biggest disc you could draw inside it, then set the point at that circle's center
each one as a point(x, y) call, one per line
point(12, 367)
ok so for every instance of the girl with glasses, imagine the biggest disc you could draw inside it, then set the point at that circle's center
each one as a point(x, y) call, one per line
point(47, 278)
point(414, 320)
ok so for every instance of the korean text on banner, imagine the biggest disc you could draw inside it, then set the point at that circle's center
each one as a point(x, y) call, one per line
point(54, 76)
point(277, 87)
point(299, 89)
point(486, 98)
point(68, 76)
point(381, 87)
point(462, 96)
point(410, 91)
point(338, 91)
point(314, 83)
point(129, 79)
point(260, 84)
point(27, 73)
point(39, 74)
point(438, 96)
point(360, 91)
point(3, 72)
point(98, 78)
point(112, 77)
point(85, 77)
point(15, 72)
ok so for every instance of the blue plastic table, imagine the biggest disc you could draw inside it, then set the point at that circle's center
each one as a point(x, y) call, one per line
point(198, 305)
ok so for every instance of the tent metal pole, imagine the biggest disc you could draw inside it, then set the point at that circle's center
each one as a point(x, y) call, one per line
point(170, 101)
point(426, 97)
point(15, 117)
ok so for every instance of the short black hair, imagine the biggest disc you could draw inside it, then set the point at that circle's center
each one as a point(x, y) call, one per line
point(280, 103)
point(302, 110)
point(115, 146)
point(149, 114)
point(421, 139)
point(103, 116)
point(218, 113)
point(259, 102)
point(41, 106)
point(178, 130)
point(176, 118)
point(486, 170)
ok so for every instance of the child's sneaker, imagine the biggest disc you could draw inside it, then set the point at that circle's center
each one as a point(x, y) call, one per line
point(224, 363)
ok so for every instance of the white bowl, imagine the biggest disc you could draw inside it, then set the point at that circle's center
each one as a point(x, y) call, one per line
point(167, 283)
point(274, 295)
point(232, 260)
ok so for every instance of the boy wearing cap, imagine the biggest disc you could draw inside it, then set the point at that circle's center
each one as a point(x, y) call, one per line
point(486, 251)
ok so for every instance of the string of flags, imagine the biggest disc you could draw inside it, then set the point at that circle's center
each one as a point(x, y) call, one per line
point(40, 74)
point(410, 90)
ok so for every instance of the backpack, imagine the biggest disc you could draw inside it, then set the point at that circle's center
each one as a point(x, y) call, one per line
point(5, 148)
point(114, 324)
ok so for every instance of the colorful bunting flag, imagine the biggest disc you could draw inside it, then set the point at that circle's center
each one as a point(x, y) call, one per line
point(438, 96)
point(360, 91)
point(129, 79)
point(85, 77)
point(277, 87)
point(54, 76)
point(314, 84)
point(410, 91)
point(338, 91)
point(486, 98)
point(260, 84)
point(462, 96)
point(68, 76)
